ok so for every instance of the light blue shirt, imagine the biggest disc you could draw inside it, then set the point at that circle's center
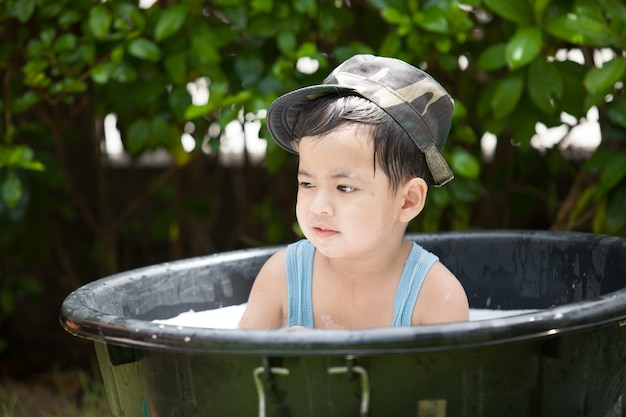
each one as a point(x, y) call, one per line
point(299, 265)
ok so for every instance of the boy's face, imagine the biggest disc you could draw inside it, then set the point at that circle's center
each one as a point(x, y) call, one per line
point(345, 207)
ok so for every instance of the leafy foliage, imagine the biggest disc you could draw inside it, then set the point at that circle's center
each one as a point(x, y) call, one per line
point(66, 64)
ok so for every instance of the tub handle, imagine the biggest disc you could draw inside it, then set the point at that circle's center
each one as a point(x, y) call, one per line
point(258, 374)
point(365, 383)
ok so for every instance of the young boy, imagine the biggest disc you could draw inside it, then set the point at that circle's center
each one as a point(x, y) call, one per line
point(369, 141)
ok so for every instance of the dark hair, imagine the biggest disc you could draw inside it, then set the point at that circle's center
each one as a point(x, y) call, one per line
point(394, 151)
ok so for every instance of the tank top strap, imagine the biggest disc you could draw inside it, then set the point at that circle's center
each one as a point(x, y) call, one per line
point(299, 267)
point(415, 270)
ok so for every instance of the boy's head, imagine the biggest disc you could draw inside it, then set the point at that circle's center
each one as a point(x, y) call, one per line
point(408, 113)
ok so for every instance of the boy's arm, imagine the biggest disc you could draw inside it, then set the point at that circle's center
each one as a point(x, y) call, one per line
point(269, 291)
point(442, 299)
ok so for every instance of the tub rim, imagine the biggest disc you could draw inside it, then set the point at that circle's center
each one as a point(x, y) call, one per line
point(80, 320)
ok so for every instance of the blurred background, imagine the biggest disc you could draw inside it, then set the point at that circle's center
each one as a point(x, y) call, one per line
point(133, 133)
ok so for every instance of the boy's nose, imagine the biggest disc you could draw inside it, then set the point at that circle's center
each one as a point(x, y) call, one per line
point(322, 204)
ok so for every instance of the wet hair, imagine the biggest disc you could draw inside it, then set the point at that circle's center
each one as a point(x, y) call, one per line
point(394, 151)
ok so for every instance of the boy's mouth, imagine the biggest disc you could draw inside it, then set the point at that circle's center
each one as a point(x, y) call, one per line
point(323, 232)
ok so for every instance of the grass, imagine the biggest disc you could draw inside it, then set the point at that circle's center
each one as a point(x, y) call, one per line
point(83, 396)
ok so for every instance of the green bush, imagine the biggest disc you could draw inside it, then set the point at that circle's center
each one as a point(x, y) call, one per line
point(67, 64)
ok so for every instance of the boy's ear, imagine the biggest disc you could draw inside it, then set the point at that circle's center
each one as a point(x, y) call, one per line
point(414, 194)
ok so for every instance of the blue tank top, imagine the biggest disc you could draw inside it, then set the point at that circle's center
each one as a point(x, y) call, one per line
point(299, 265)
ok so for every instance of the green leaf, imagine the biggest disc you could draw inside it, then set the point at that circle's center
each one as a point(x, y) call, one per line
point(464, 163)
point(545, 85)
point(145, 49)
point(506, 95)
point(615, 9)
point(261, 6)
point(306, 6)
point(11, 189)
point(69, 17)
point(582, 202)
point(22, 10)
point(597, 160)
point(176, 66)
point(48, 34)
point(443, 44)
point(523, 47)
point(25, 101)
point(160, 132)
point(194, 112)
point(518, 11)
point(539, 8)
point(612, 172)
point(179, 100)
point(124, 73)
point(616, 110)
point(117, 54)
point(287, 42)
point(49, 10)
point(7, 302)
point(137, 136)
point(581, 29)
point(603, 79)
point(306, 49)
point(492, 58)
point(35, 66)
point(204, 53)
point(616, 209)
point(275, 157)
point(238, 98)
point(99, 21)
point(65, 42)
point(87, 52)
point(440, 196)
point(101, 73)
point(599, 219)
point(21, 156)
point(129, 17)
point(523, 123)
point(249, 67)
point(432, 19)
point(394, 16)
point(573, 98)
point(464, 190)
point(35, 48)
point(170, 21)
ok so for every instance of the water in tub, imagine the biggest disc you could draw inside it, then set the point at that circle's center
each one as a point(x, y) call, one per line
point(228, 317)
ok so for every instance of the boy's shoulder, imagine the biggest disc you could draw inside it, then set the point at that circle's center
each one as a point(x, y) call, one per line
point(276, 262)
point(441, 299)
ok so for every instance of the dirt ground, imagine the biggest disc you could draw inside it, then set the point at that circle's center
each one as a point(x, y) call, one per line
point(47, 395)
point(48, 373)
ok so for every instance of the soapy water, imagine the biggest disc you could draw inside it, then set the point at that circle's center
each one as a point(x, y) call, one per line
point(228, 317)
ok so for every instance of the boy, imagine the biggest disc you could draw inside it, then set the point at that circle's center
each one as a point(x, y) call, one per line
point(369, 141)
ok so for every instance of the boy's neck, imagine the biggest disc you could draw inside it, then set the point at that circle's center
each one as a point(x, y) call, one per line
point(381, 264)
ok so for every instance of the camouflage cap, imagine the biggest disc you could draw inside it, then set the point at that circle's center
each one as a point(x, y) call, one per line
point(409, 95)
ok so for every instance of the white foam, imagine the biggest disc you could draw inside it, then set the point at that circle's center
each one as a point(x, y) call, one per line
point(219, 318)
point(476, 314)
point(228, 317)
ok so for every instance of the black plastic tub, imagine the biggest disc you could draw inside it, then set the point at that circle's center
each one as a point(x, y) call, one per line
point(566, 359)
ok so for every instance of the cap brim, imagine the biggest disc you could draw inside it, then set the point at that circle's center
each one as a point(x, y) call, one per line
point(283, 112)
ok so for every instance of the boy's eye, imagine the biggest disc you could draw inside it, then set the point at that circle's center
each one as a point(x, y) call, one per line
point(346, 188)
point(304, 184)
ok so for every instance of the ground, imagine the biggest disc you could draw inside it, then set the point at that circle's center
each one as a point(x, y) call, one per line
point(49, 373)
point(70, 393)
point(64, 394)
